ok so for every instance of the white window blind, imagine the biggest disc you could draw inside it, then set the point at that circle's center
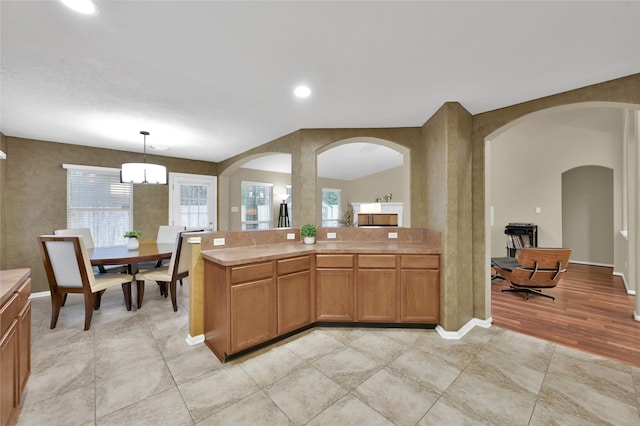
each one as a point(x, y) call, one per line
point(96, 199)
point(257, 205)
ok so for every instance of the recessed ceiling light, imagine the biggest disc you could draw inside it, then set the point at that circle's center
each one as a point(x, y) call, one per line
point(86, 7)
point(302, 91)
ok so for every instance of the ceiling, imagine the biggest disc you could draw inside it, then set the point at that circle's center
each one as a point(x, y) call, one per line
point(212, 79)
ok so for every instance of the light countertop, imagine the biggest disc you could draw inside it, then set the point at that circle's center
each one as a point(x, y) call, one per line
point(259, 253)
point(10, 280)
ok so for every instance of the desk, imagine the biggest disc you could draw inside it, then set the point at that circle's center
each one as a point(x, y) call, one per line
point(121, 255)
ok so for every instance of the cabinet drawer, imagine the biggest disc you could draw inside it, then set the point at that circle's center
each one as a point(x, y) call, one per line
point(334, 261)
point(420, 261)
point(24, 291)
point(254, 272)
point(296, 264)
point(379, 261)
point(8, 312)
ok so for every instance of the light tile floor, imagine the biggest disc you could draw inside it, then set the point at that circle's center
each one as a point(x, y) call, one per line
point(134, 368)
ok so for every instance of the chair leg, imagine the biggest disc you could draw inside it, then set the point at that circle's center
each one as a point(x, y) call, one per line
point(64, 299)
point(97, 300)
point(56, 302)
point(126, 290)
point(140, 285)
point(164, 291)
point(89, 301)
point(174, 302)
point(180, 281)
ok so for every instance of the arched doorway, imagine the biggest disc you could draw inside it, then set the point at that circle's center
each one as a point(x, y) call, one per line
point(587, 214)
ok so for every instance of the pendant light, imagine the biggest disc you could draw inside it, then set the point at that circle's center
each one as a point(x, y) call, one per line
point(143, 172)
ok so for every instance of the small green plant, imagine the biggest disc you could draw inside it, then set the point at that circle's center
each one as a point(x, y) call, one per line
point(133, 234)
point(308, 230)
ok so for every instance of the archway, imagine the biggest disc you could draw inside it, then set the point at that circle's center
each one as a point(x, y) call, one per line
point(524, 161)
point(366, 169)
point(273, 168)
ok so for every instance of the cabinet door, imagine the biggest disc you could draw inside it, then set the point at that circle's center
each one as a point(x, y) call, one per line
point(253, 313)
point(8, 372)
point(24, 347)
point(334, 295)
point(376, 295)
point(294, 303)
point(420, 296)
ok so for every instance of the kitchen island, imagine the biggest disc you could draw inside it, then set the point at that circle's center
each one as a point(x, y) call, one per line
point(257, 294)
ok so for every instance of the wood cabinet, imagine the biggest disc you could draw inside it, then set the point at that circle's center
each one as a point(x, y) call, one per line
point(294, 293)
point(247, 305)
point(334, 287)
point(15, 342)
point(251, 304)
point(377, 219)
point(8, 360)
point(376, 288)
point(420, 288)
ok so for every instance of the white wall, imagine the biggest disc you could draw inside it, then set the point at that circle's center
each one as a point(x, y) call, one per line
point(528, 159)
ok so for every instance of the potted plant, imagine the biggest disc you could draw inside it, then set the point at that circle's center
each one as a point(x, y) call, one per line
point(308, 233)
point(133, 243)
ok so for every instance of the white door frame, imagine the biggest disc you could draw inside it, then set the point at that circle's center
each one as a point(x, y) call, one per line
point(176, 179)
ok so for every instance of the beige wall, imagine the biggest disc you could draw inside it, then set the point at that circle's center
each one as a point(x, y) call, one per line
point(368, 188)
point(35, 195)
point(527, 162)
point(3, 193)
point(447, 176)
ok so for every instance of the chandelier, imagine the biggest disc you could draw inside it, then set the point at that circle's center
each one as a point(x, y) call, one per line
point(143, 172)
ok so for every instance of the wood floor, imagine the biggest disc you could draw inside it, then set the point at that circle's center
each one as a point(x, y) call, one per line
point(592, 312)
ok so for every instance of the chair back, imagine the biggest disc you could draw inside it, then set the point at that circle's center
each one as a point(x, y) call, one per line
point(85, 233)
point(541, 267)
point(66, 262)
point(180, 258)
point(167, 234)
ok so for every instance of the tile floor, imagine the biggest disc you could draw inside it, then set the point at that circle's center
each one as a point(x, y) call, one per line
point(134, 368)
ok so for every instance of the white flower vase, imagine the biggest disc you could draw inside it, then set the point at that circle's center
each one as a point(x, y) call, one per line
point(309, 240)
point(133, 244)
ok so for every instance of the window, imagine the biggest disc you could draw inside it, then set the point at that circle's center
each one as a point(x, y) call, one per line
point(256, 205)
point(96, 199)
point(330, 207)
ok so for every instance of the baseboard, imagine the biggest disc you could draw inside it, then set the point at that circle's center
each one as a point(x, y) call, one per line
point(39, 294)
point(580, 262)
point(624, 281)
point(194, 340)
point(456, 335)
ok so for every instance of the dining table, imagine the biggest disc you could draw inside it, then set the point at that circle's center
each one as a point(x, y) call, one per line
point(148, 251)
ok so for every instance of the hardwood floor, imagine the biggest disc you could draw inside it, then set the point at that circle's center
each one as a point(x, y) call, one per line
point(592, 312)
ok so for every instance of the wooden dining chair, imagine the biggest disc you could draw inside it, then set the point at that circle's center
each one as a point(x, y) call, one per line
point(166, 235)
point(87, 240)
point(534, 269)
point(69, 270)
point(168, 276)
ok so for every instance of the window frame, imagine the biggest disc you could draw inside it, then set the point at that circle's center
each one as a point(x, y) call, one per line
point(103, 234)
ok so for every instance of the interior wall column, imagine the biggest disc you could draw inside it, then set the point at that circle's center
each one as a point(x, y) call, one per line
point(634, 213)
point(448, 160)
